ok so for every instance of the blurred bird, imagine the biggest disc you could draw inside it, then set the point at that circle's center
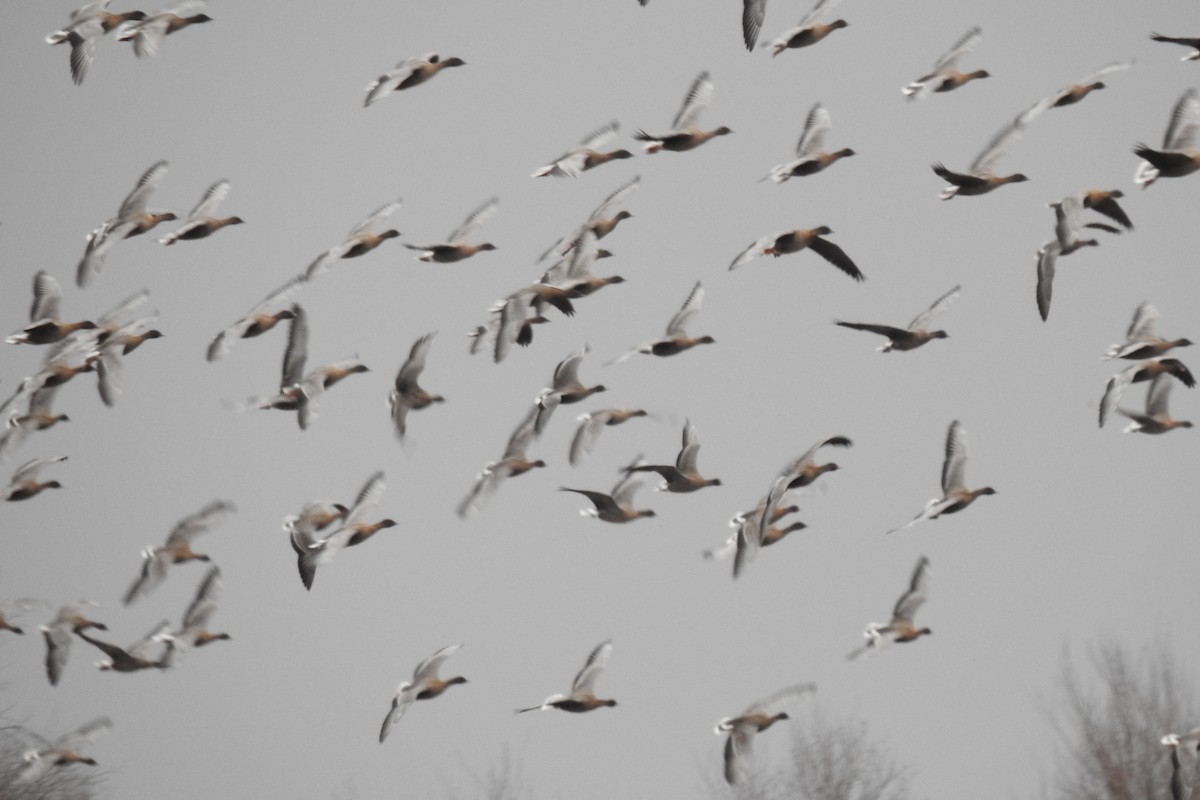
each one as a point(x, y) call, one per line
point(88, 24)
point(257, 321)
point(147, 33)
point(1157, 418)
point(194, 631)
point(586, 156)
point(590, 425)
point(1186, 41)
point(783, 242)
point(407, 74)
point(564, 389)
point(901, 628)
point(1179, 155)
point(44, 325)
point(512, 463)
point(177, 549)
point(63, 751)
point(407, 395)
point(456, 247)
point(1140, 341)
point(70, 619)
point(601, 222)
point(676, 339)
point(137, 656)
point(946, 76)
point(1072, 94)
point(358, 242)
point(615, 507)
point(1138, 373)
point(811, 157)
point(11, 609)
point(756, 718)
point(980, 178)
point(916, 334)
point(312, 552)
point(37, 417)
point(684, 134)
point(201, 222)
point(425, 685)
point(582, 697)
point(683, 476)
point(810, 30)
point(132, 219)
point(24, 483)
point(1068, 224)
point(955, 494)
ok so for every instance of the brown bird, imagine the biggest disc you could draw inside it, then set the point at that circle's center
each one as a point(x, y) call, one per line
point(582, 697)
point(1140, 341)
point(137, 656)
point(980, 177)
point(24, 483)
point(1186, 41)
point(70, 619)
point(456, 248)
point(811, 157)
point(586, 156)
point(257, 321)
point(564, 388)
point(194, 631)
point(201, 222)
point(794, 241)
point(312, 551)
point(1156, 419)
point(147, 33)
point(756, 718)
point(683, 475)
point(1179, 155)
point(1069, 95)
point(44, 325)
point(360, 241)
point(615, 507)
point(177, 549)
point(88, 25)
point(684, 134)
point(955, 494)
point(514, 462)
point(590, 425)
point(676, 339)
point(809, 31)
point(946, 76)
point(425, 685)
point(407, 74)
point(916, 334)
point(63, 751)
point(1147, 370)
point(901, 628)
point(407, 395)
point(132, 219)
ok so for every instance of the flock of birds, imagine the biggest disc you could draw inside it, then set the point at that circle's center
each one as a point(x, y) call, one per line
point(322, 529)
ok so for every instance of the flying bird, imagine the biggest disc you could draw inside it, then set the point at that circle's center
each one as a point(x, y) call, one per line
point(586, 156)
point(407, 74)
point(1157, 418)
point(755, 719)
point(684, 134)
point(811, 157)
point(147, 33)
point(955, 494)
point(582, 697)
point(810, 30)
point(132, 219)
point(946, 76)
point(177, 549)
point(407, 394)
point(901, 628)
point(425, 685)
point(1179, 155)
point(682, 476)
point(201, 222)
point(917, 333)
point(456, 247)
point(783, 242)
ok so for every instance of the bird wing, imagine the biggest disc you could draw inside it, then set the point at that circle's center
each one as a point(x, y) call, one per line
point(910, 601)
point(815, 128)
point(1185, 118)
point(691, 307)
point(921, 321)
point(963, 46)
point(135, 201)
point(696, 100)
point(211, 199)
point(296, 352)
point(474, 220)
point(384, 211)
point(596, 660)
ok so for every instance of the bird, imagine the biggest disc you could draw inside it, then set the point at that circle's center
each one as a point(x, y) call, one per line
point(955, 494)
point(749, 535)
point(916, 334)
point(946, 76)
point(132, 219)
point(1140, 341)
point(88, 24)
point(407, 394)
point(313, 552)
point(63, 751)
point(37, 417)
point(425, 685)
point(137, 656)
point(582, 697)
point(573, 272)
point(676, 339)
point(682, 476)
point(901, 628)
point(24, 483)
point(456, 248)
point(617, 506)
point(408, 73)
point(1069, 95)
point(1156, 419)
point(514, 462)
point(980, 177)
point(601, 222)
point(1179, 155)
point(756, 718)
point(1186, 41)
point(147, 33)
point(590, 425)
point(11, 609)
point(177, 549)
point(258, 320)
point(1137, 373)
point(1068, 223)
point(360, 241)
point(45, 326)
point(299, 391)
point(70, 619)
point(684, 134)
point(564, 388)
point(811, 157)
point(586, 156)
point(201, 222)
point(793, 241)
point(753, 13)
point(515, 323)
point(810, 30)
point(1104, 201)
point(194, 630)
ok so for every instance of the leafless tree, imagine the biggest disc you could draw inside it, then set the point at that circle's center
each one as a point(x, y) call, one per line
point(1110, 726)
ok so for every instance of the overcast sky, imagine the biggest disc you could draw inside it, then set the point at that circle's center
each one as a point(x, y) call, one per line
point(1091, 534)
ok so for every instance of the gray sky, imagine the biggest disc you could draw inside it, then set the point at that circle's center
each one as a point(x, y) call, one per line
point(1091, 534)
